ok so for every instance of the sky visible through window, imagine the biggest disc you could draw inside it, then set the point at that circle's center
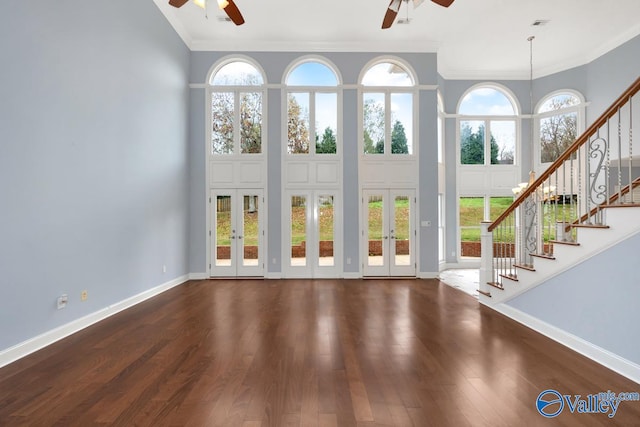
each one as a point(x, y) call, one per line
point(316, 74)
point(389, 74)
point(486, 101)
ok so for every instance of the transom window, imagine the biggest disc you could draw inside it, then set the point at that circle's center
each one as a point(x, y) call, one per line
point(387, 108)
point(236, 109)
point(312, 109)
point(558, 117)
point(488, 134)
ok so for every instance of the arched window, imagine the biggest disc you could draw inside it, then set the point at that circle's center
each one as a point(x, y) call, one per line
point(488, 130)
point(559, 116)
point(236, 109)
point(312, 109)
point(387, 108)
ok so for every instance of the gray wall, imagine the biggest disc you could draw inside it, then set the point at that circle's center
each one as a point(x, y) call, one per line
point(349, 66)
point(609, 75)
point(596, 300)
point(93, 158)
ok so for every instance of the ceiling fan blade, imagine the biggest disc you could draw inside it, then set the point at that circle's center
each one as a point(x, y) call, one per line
point(234, 13)
point(177, 3)
point(392, 11)
point(443, 3)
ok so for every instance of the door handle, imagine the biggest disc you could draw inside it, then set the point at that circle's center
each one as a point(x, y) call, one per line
point(239, 237)
point(386, 237)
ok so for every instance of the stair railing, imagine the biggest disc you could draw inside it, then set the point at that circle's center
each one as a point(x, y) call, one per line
point(593, 173)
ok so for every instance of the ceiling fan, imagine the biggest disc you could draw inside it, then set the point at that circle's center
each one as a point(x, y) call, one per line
point(394, 6)
point(228, 6)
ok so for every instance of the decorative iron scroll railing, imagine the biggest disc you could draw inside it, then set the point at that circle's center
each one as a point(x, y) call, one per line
point(600, 169)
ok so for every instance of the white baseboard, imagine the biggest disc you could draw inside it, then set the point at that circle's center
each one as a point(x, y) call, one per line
point(198, 276)
point(273, 275)
point(428, 275)
point(604, 357)
point(34, 344)
point(351, 275)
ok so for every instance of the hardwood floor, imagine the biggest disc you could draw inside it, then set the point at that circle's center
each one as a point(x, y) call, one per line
point(304, 352)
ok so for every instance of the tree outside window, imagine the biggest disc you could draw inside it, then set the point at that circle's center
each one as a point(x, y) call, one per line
point(485, 139)
point(558, 126)
point(236, 113)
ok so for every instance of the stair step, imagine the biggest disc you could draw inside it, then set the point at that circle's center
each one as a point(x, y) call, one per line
point(543, 256)
point(485, 293)
point(588, 225)
point(561, 242)
point(510, 277)
point(496, 285)
point(524, 267)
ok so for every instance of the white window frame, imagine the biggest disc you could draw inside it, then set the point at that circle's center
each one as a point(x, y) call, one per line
point(580, 109)
point(236, 90)
point(312, 91)
point(387, 91)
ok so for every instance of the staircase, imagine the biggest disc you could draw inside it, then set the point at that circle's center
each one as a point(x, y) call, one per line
point(623, 221)
point(587, 201)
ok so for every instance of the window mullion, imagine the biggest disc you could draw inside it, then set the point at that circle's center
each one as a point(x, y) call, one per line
point(312, 122)
point(387, 122)
point(487, 142)
point(236, 122)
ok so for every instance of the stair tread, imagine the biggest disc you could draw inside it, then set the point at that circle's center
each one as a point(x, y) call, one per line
point(588, 225)
point(513, 277)
point(561, 242)
point(485, 293)
point(543, 256)
point(496, 285)
point(524, 267)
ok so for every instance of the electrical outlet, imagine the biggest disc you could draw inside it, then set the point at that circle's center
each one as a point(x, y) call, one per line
point(84, 295)
point(348, 261)
point(62, 301)
point(164, 268)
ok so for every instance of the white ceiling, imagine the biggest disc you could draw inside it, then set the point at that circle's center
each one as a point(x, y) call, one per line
point(474, 39)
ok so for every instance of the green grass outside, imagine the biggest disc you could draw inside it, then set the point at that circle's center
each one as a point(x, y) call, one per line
point(472, 213)
point(298, 224)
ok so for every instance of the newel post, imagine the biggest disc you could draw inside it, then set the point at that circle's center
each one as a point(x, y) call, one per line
point(486, 257)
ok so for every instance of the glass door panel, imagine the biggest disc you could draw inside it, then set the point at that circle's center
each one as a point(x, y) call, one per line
point(376, 230)
point(236, 233)
point(298, 221)
point(389, 233)
point(400, 231)
point(403, 233)
point(326, 230)
point(250, 239)
point(223, 231)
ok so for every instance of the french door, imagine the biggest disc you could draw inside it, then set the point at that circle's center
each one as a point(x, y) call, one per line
point(389, 232)
point(311, 234)
point(237, 233)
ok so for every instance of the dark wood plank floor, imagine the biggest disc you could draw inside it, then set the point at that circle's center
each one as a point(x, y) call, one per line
point(304, 352)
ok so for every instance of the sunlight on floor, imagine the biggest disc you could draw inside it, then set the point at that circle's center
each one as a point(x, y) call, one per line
point(464, 279)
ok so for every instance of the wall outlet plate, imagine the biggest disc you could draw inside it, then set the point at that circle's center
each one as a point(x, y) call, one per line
point(62, 301)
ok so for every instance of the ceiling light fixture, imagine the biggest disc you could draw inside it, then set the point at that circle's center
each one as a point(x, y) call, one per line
point(222, 4)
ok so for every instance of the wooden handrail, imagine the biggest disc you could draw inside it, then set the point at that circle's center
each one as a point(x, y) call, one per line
point(583, 139)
